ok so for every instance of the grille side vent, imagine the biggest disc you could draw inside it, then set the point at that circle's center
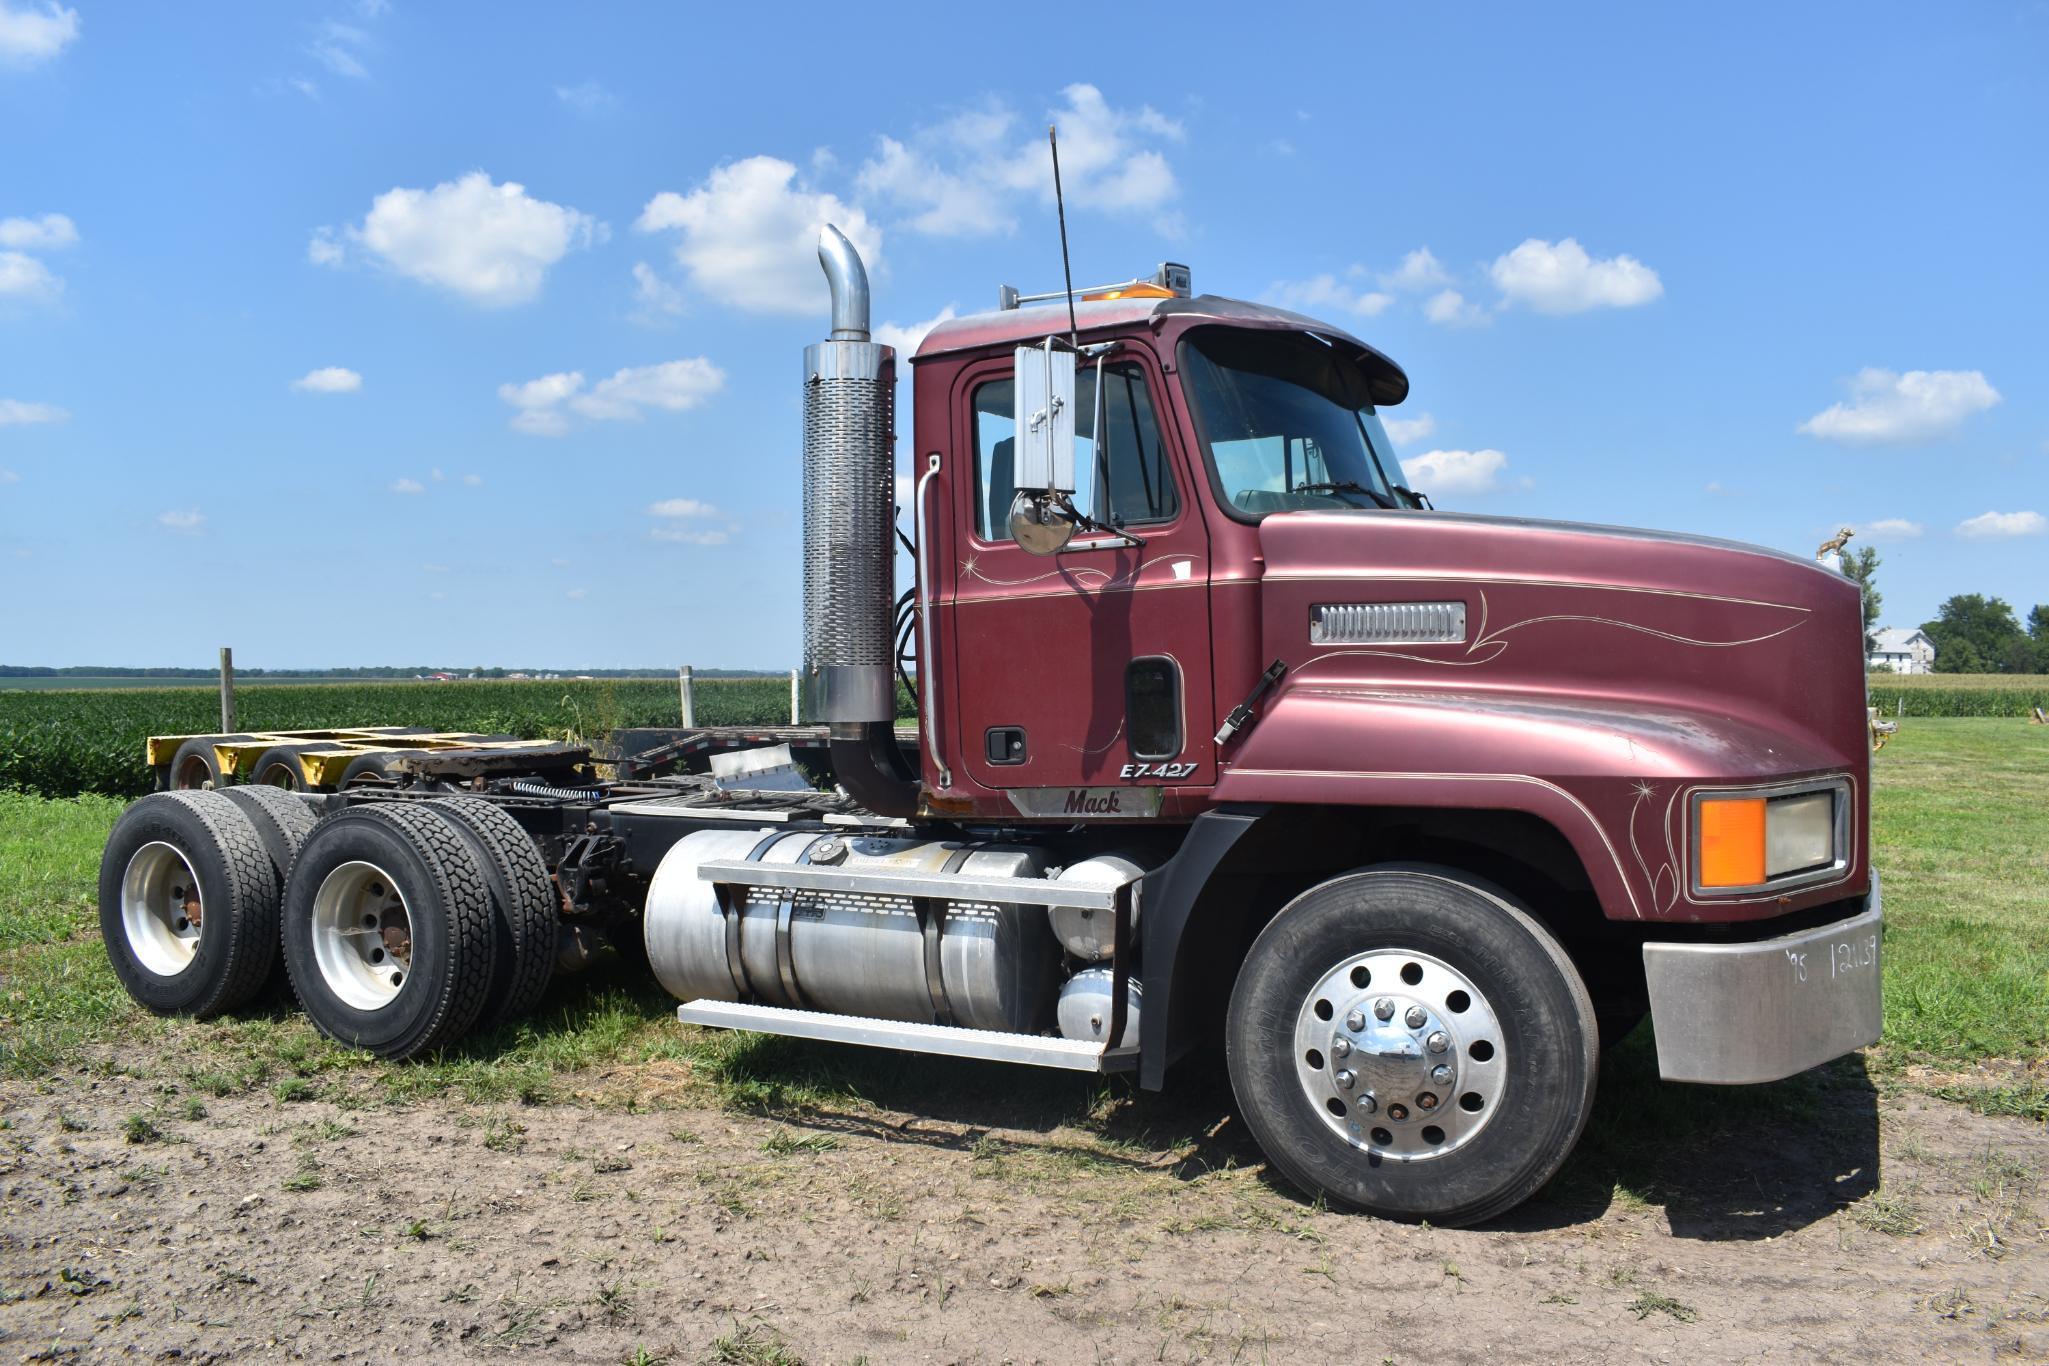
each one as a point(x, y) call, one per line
point(1387, 623)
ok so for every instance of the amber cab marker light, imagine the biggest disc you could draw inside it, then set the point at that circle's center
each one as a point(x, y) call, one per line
point(1732, 841)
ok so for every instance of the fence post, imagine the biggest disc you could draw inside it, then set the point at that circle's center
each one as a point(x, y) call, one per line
point(227, 691)
point(795, 720)
point(684, 683)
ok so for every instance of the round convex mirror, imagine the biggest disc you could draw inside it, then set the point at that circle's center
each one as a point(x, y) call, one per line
point(1040, 524)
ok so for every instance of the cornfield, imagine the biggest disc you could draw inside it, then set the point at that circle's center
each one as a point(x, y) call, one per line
point(1897, 695)
point(62, 744)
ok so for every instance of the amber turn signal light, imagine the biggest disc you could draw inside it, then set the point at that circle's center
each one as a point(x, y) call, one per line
point(1732, 842)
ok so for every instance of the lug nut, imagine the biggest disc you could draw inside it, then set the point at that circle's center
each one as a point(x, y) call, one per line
point(1346, 1079)
point(1441, 1075)
point(1355, 1022)
point(1341, 1048)
point(1367, 1104)
point(1437, 1042)
point(1416, 1018)
point(1426, 1101)
point(1384, 1008)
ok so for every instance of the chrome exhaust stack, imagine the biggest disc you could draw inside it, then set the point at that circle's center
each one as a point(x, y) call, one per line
point(849, 545)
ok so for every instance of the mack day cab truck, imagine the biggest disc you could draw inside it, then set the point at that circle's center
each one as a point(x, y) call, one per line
point(1225, 740)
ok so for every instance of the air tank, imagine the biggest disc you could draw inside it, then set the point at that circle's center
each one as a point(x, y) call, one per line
point(1088, 934)
point(1085, 1005)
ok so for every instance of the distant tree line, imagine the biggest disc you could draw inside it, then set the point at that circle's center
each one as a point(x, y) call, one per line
point(1974, 634)
point(374, 671)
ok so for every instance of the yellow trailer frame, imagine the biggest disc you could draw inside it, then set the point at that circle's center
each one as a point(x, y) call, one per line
point(325, 753)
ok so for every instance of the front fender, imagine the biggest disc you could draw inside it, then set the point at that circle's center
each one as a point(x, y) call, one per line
point(1608, 774)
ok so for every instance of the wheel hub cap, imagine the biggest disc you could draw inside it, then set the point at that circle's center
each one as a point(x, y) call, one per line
point(362, 936)
point(1400, 1054)
point(161, 910)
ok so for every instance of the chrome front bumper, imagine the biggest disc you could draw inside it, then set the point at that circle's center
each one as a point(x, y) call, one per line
point(1742, 1013)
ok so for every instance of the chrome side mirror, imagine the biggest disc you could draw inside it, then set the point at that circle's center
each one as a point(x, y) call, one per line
point(1045, 418)
point(1040, 523)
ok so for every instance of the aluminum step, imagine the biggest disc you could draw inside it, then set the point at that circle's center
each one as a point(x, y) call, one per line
point(988, 1044)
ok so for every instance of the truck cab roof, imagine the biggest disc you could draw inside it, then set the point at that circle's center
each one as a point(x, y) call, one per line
point(1033, 323)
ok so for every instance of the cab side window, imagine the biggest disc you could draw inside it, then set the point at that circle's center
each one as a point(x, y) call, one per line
point(1122, 480)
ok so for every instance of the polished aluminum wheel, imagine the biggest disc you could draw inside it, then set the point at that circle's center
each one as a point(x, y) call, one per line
point(362, 936)
point(161, 909)
point(1400, 1054)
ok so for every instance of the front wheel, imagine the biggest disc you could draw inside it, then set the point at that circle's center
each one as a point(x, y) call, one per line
point(1411, 1043)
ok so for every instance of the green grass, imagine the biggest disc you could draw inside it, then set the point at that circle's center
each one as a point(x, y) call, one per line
point(1960, 821)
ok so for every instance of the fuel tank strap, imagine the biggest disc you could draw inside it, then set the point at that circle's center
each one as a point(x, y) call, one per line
point(734, 909)
point(785, 965)
point(932, 922)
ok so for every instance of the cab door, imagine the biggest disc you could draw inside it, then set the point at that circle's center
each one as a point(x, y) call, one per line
point(1085, 673)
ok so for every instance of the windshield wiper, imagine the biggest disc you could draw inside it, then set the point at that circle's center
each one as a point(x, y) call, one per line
point(1421, 500)
point(1343, 486)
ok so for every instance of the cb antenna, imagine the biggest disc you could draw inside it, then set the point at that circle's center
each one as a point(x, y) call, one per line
point(1060, 206)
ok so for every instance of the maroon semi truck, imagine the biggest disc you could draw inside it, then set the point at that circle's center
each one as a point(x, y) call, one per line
point(1225, 740)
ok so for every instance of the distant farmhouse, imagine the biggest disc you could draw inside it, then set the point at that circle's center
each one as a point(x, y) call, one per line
point(1902, 650)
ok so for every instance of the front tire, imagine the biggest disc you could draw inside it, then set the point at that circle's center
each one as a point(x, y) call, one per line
point(1409, 1042)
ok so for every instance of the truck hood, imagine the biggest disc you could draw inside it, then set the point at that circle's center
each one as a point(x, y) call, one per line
point(1654, 623)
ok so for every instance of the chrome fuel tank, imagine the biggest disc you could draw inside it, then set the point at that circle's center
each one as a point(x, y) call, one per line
point(974, 964)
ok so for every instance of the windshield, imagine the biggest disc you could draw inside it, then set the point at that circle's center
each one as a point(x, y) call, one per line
point(1285, 423)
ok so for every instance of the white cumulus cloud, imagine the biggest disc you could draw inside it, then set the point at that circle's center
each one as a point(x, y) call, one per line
point(1321, 292)
point(1419, 270)
point(184, 521)
point(51, 231)
point(24, 277)
point(2003, 524)
point(9, 477)
point(682, 520)
point(748, 236)
point(491, 243)
point(544, 404)
point(1449, 308)
point(1452, 473)
point(475, 481)
point(681, 507)
point(1407, 429)
point(966, 175)
point(1562, 278)
point(407, 486)
point(35, 33)
point(1888, 408)
point(15, 413)
point(1892, 529)
point(328, 379)
point(656, 298)
point(908, 337)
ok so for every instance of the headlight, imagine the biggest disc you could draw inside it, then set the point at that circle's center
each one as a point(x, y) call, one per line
point(1745, 841)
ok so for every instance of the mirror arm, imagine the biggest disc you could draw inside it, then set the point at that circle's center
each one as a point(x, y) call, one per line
point(1084, 522)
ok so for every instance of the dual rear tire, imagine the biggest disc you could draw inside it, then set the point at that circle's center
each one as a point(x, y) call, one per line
point(401, 926)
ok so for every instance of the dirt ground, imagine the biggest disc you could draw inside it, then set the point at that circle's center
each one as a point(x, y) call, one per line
point(1886, 1227)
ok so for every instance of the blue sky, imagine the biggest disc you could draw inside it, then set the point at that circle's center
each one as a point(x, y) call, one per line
point(385, 332)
